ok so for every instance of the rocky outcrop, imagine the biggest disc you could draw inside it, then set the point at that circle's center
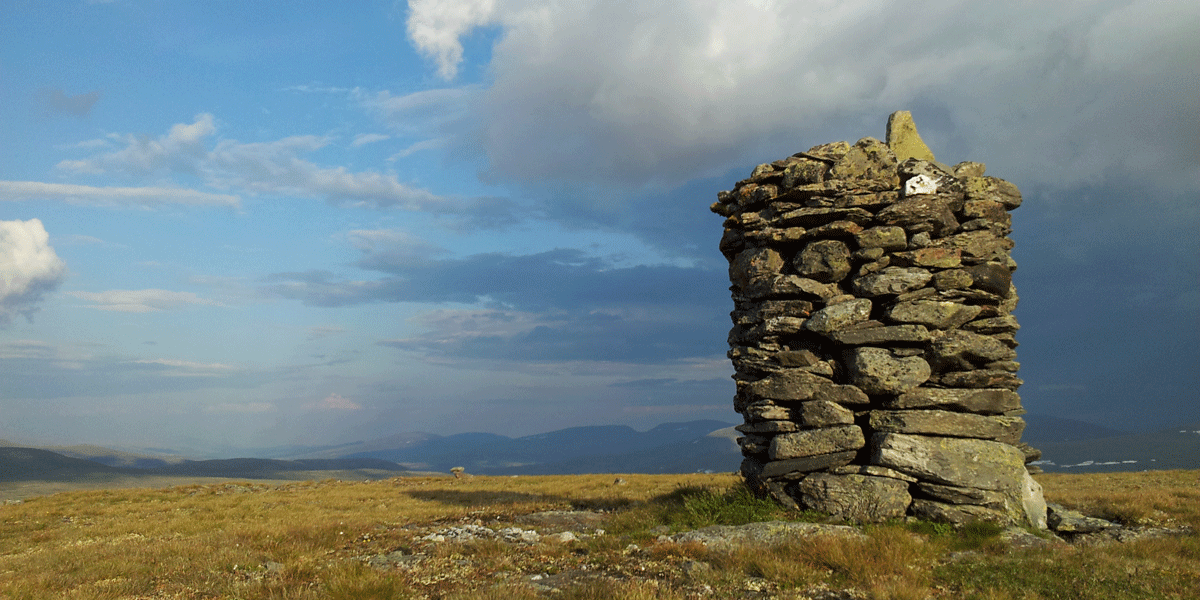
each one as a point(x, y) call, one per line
point(872, 337)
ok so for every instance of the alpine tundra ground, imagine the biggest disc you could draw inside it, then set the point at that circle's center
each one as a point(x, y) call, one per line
point(572, 537)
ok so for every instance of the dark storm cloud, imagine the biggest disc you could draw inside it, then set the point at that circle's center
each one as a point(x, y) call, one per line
point(644, 338)
point(560, 305)
point(564, 279)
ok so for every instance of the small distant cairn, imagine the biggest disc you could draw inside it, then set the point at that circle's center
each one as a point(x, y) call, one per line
point(873, 340)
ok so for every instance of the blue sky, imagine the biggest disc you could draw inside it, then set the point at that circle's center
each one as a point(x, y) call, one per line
point(239, 224)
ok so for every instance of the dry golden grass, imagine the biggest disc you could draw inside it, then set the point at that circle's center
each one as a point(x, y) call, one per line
point(1145, 498)
point(309, 540)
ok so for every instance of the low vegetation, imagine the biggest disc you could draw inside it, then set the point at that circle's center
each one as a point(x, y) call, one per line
point(379, 540)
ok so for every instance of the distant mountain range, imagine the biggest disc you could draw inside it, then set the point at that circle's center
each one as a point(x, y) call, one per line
point(668, 448)
point(1066, 445)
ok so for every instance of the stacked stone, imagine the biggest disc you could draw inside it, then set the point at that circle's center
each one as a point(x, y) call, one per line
point(872, 338)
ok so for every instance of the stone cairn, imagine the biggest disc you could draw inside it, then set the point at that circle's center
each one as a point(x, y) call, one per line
point(872, 338)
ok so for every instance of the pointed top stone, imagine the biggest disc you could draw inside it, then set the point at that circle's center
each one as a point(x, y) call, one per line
point(903, 138)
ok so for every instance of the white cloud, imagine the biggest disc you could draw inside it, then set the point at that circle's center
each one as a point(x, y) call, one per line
point(186, 368)
point(667, 90)
point(262, 167)
point(363, 139)
point(388, 246)
point(29, 268)
point(141, 301)
point(112, 196)
point(336, 402)
point(177, 150)
point(435, 27)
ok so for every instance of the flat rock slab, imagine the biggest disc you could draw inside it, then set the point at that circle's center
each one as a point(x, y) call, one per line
point(981, 401)
point(724, 537)
point(948, 423)
point(815, 442)
point(961, 462)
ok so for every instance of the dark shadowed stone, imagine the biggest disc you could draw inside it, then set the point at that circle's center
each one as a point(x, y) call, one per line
point(932, 510)
point(917, 294)
point(946, 423)
point(981, 401)
point(941, 258)
point(991, 188)
point(994, 325)
point(958, 350)
point(839, 316)
point(938, 315)
point(981, 378)
point(812, 442)
point(769, 309)
point(815, 217)
point(860, 498)
point(825, 261)
point(960, 495)
point(795, 467)
point(868, 159)
point(754, 444)
point(779, 491)
point(877, 371)
point(892, 280)
point(881, 335)
point(961, 462)
point(757, 265)
point(732, 242)
point(768, 427)
point(931, 213)
point(888, 237)
point(992, 278)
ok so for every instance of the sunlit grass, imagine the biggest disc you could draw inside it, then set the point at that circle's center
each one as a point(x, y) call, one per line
point(310, 540)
